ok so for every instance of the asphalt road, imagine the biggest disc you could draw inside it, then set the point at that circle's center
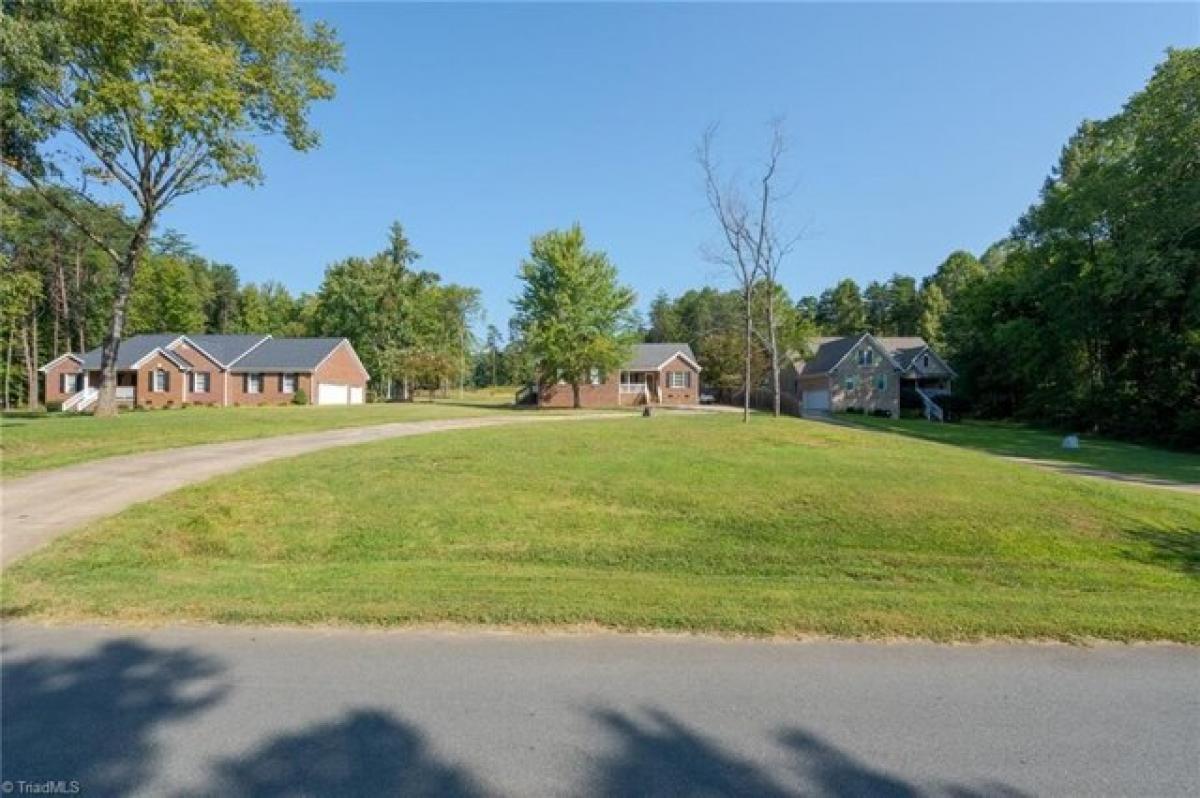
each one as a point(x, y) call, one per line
point(214, 711)
point(38, 508)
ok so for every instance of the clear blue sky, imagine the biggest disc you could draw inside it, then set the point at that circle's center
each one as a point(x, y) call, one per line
point(915, 130)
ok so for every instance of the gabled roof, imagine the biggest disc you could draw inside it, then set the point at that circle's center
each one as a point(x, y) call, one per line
point(651, 357)
point(829, 352)
point(226, 348)
point(68, 355)
point(287, 354)
point(132, 350)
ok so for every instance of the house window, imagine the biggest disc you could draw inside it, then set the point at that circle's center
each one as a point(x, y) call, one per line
point(70, 383)
point(161, 381)
point(850, 383)
point(881, 382)
point(254, 383)
point(201, 381)
point(866, 356)
point(679, 379)
point(925, 360)
point(287, 383)
point(595, 377)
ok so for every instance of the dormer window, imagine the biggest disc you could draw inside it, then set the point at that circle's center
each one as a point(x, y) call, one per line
point(925, 360)
point(866, 356)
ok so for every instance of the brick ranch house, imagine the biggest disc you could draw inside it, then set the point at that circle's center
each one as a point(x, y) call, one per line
point(868, 374)
point(655, 374)
point(172, 370)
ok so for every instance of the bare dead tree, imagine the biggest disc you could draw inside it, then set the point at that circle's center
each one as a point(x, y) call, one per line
point(753, 249)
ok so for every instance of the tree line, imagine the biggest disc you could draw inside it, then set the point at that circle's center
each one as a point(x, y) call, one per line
point(57, 287)
point(1086, 317)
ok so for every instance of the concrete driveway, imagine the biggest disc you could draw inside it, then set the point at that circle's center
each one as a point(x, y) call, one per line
point(40, 507)
point(215, 711)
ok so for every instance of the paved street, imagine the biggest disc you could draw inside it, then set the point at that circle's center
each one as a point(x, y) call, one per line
point(288, 712)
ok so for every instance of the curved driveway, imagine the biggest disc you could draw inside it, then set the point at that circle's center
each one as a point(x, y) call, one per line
point(41, 507)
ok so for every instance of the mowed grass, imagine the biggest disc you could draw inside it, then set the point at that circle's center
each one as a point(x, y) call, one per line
point(781, 527)
point(1019, 440)
point(58, 439)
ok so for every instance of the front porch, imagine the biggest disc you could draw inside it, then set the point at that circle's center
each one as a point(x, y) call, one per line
point(640, 388)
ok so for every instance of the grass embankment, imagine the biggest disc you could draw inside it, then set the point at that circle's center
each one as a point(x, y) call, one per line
point(779, 527)
point(34, 443)
point(1019, 440)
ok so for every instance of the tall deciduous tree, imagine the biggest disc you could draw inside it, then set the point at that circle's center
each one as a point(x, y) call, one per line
point(573, 313)
point(753, 248)
point(159, 99)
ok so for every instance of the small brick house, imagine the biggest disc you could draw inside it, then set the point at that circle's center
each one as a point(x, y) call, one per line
point(866, 373)
point(655, 374)
point(172, 370)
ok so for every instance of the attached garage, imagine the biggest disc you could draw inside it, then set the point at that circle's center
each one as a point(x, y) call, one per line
point(338, 394)
point(816, 400)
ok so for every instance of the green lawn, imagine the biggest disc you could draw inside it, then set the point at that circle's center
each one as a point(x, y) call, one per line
point(680, 523)
point(1019, 440)
point(58, 439)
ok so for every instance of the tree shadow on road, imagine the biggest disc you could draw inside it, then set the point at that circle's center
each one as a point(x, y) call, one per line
point(658, 755)
point(92, 717)
point(369, 752)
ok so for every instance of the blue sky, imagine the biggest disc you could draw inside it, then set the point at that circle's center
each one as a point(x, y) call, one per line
point(914, 130)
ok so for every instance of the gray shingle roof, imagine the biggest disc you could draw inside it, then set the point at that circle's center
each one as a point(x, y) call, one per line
point(131, 350)
point(287, 354)
point(828, 352)
point(647, 357)
point(226, 348)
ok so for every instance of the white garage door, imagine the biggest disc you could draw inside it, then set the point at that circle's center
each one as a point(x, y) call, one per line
point(328, 394)
point(816, 401)
point(356, 395)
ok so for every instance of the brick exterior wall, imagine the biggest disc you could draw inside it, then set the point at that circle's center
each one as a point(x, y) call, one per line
point(608, 393)
point(215, 395)
point(54, 392)
point(340, 368)
point(271, 393)
point(688, 395)
point(173, 396)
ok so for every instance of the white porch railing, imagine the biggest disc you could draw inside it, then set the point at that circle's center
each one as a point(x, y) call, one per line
point(933, 411)
point(125, 392)
point(81, 401)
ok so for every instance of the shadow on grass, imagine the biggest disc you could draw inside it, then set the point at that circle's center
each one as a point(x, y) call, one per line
point(92, 717)
point(1175, 549)
point(659, 755)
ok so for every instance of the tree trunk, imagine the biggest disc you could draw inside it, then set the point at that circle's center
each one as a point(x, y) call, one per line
point(8, 368)
point(773, 343)
point(748, 297)
point(575, 403)
point(106, 404)
point(80, 302)
point(29, 350)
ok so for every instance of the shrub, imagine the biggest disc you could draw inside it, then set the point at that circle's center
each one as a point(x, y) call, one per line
point(853, 411)
point(54, 407)
point(300, 397)
point(880, 412)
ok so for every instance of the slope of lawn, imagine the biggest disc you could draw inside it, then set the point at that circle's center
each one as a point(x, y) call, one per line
point(680, 523)
point(57, 439)
point(1019, 440)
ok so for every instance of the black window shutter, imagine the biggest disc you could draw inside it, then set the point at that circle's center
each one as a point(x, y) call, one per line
point(166, 381)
